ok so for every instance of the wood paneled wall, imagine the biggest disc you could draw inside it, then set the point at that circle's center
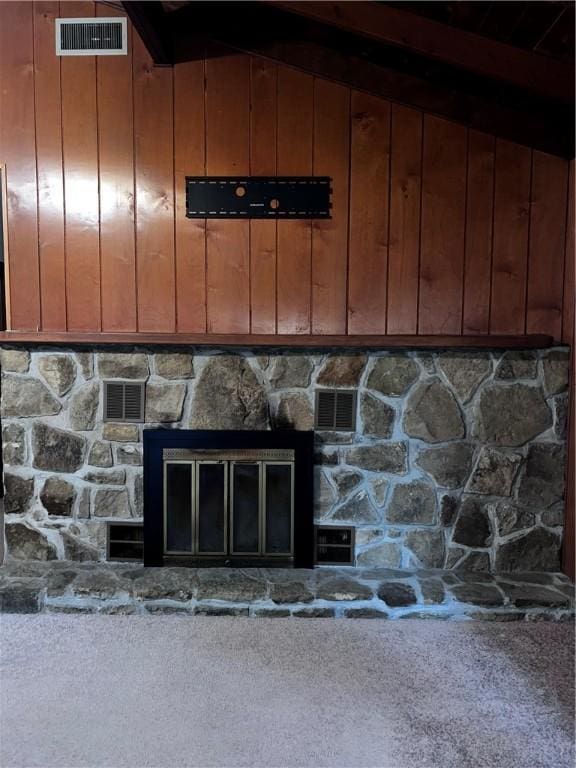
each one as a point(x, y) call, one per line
point(436, 229)
point(569, 543)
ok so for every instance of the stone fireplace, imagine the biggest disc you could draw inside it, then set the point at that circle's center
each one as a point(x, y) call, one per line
point(456, 459)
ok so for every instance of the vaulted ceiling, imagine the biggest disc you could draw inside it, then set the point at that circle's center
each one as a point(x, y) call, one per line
point(502, 67)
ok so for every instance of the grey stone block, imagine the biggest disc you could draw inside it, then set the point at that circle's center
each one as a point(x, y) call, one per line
point(121, 433)
point(432, 413)
point(294, 411)
point(393, 374)
point(473, 527)
point(220, 610)
point(449, 465)
point(15, 360)
point(56, 450)
point(412, 504)
point(556, 365)
point(164, 402)
point(24, 398)
point(395, 594)
point(342, 371)
point(477, 594)
point(59, 371)
point(22, 596)
point(28, 543)
point(18, 493)
point(377, 417)
point(123, 365)
point(537, 550)
point(174, 365)
point(512, 415)
point(314, 613)
point(84, 406)
point(222, 584)
point(465, 371)
point(57, 496)
point(386, 457)
point(229, 396)
point(364, 613)
point(14, 444)
point(342, 588)
point(494, 473)
point(290, 591)
point(291, 371)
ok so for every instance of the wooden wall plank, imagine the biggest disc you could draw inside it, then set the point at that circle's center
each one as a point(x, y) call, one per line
point(510, 248)
point(569, 266)
point(294, 270)
point(569, 545)
point(547, 243)
point(228, 154)
point(81, 198)
point(405, 205)
point(331, 157)
point(47, 97)
point(189, 160)
point(154, 156)
point(263, 134)
point(479, 218)
point(369, 194)
point(17, 140)
point(116, 164)
point(81, 193)
point(443, 226)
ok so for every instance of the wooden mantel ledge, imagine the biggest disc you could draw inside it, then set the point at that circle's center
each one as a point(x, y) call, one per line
point(531, 341)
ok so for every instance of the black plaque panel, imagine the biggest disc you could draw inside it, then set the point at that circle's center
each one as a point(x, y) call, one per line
point(258, 197)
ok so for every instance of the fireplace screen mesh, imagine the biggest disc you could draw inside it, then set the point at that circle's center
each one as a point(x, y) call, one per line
point(222, 503)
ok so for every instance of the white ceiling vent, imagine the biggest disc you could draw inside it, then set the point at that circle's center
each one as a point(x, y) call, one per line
point(91, 37)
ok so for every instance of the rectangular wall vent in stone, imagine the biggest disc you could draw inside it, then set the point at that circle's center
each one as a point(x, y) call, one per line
point(125, 541)
point(91, 37)
point(334, 545)
point(123, 401)
point(335, 409)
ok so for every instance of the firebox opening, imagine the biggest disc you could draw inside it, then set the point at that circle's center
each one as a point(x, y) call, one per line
point(228, 498)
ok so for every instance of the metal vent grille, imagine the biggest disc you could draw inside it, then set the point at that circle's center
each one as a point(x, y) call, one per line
point(123, 401)
point(334, 545)
point(91, 37)
point(335, 409)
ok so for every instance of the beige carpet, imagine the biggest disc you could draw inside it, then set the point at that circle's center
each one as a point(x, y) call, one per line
point(174, 692)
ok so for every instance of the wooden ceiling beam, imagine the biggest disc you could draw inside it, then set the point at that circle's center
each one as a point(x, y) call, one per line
point(457, 47)
point(149, 20)
point(368, 65)
point(326, 52)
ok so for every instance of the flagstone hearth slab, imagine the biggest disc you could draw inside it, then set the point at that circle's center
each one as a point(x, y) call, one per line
point(120, 588)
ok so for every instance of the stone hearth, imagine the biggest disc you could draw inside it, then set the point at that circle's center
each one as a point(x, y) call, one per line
point(59, 587)
point(456, 461)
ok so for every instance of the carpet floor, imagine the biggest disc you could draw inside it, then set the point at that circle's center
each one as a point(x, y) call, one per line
point(175, 692)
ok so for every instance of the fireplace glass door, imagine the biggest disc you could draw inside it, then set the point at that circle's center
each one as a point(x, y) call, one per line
point(230, 506)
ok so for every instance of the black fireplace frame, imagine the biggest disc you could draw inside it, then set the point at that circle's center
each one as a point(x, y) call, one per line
point(302, 443)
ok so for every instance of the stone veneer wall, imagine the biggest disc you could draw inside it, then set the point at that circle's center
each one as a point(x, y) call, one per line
point(457, 460)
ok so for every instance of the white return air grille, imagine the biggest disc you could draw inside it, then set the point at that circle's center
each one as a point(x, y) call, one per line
point(91, 37)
